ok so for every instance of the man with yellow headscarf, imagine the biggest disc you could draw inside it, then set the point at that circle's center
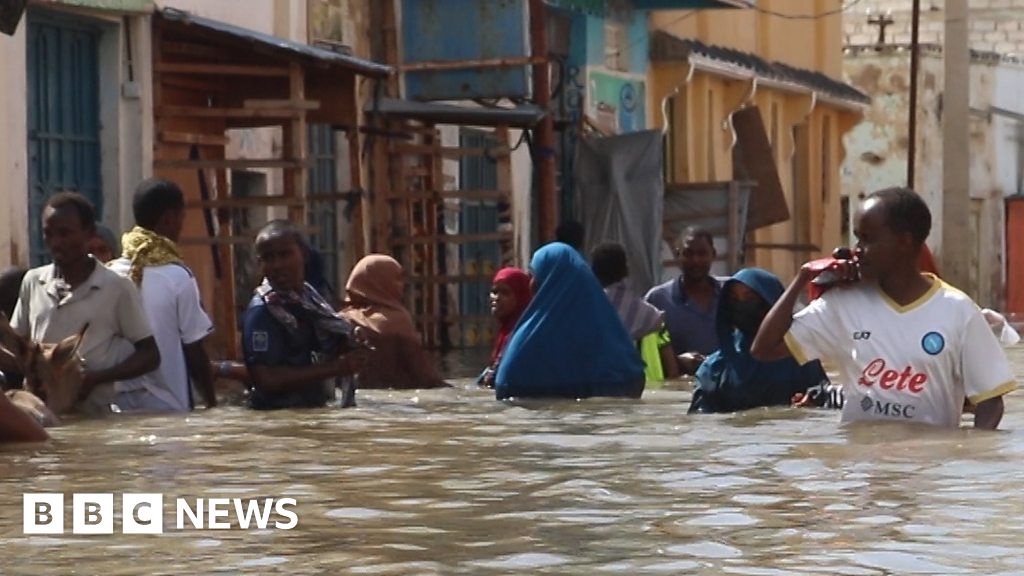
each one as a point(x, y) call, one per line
point(169, 295)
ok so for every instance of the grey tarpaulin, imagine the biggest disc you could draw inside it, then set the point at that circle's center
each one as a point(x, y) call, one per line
point(621, 187)
point(705, 205)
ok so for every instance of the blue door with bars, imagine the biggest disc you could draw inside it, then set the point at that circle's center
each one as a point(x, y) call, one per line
point(481, 259)
point(63, 117)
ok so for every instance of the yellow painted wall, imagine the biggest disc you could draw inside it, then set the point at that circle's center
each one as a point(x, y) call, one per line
point(701, 141)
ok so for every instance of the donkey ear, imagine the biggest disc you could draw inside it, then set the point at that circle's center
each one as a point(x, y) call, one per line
point(65, 350)
point(11, 340)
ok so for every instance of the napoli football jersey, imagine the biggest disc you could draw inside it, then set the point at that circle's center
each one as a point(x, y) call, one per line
point(912, 363)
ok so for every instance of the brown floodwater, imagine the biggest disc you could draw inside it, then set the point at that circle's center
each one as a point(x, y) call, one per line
point(452, 482)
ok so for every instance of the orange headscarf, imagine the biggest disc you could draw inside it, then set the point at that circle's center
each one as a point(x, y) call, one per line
point(375, 298)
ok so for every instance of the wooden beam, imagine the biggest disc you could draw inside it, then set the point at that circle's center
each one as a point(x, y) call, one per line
point(451, 152)
point(404, 195)
point(452, 238)
point(222, 70)
point(327, 197)
point(189, 49)
point(271, 104)
point(471, 64)
point(203, 112)
point(245, 202)
point(299, 141)
point(244, 237)
point(194, 84)
point(170, 137)
point(238, 163)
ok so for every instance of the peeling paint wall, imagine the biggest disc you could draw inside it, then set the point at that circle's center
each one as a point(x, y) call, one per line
point(877, 148)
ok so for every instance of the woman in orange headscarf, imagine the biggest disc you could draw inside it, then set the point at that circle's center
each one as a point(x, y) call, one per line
point(374, 303)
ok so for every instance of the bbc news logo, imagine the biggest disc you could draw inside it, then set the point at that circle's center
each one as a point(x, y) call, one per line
point(43, 513)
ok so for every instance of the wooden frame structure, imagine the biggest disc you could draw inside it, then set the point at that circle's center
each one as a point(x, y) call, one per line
point(209, 77)
point(410, 200)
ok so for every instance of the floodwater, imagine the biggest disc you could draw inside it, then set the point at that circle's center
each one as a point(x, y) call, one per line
point(452, 482)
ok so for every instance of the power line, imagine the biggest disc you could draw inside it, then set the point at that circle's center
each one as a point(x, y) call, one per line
point(840, 10)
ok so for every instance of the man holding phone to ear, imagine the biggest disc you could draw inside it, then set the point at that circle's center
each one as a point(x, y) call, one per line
point(908, 345)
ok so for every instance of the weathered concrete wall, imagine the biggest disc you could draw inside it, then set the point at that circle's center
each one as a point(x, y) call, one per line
point(13, 157)
point(702, 144)
point(877, 148)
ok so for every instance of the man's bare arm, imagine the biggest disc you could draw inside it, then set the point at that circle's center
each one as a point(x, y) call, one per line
point(989, 413)
point(198, 363)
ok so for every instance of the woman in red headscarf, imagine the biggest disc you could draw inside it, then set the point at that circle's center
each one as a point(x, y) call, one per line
point(510, 294)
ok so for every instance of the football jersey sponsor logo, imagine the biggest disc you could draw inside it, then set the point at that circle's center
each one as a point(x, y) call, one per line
point(877, 373)
point(933, 343)
point(890, 409)
point(861, 335)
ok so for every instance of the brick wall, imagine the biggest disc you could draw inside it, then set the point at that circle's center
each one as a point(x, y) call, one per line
point(995, 25)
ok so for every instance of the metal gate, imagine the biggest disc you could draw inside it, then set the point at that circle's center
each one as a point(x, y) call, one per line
point(480, 259)
point(63, 117)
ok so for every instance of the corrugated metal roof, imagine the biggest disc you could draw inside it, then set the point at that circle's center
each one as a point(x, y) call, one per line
point(665, 46)
point(287, 48)
point(601, 8)
point(134, 6)
point(522, 116)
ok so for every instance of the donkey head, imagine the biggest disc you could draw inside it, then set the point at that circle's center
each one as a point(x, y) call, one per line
point(52, 371)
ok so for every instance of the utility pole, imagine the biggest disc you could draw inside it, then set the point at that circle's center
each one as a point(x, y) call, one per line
point(915, 25)
point(956, 203)
point(544, 158)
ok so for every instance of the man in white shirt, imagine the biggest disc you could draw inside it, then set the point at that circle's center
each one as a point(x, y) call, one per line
point(57, 300)
point(170, 296)
point(909, 346)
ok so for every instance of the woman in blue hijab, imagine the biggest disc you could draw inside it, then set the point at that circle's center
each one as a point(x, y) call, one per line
point(731, 379)
point(570, 342)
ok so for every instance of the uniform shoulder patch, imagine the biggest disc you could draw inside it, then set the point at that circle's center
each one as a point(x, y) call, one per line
point(260, 341)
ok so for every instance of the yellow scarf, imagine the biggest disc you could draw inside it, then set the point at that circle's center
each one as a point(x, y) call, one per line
point(147, 248)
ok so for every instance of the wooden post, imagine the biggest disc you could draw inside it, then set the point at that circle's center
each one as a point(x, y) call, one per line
point(298, 145)
point(956, 153)
point(734, 234)
point(915, 20)
point(544, 161)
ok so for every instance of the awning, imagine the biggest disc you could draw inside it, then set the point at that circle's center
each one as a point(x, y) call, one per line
point(126, 6)
point(691, 4)
point(600, 7)
point(261, 42)
point(522, 116)
point(743, 65)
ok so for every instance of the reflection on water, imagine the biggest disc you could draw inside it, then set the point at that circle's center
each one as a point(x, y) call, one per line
point(452, 482)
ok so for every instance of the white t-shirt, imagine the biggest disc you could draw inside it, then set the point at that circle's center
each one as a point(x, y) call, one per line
point(903, 363)
point(108, 303)
point(170, 298)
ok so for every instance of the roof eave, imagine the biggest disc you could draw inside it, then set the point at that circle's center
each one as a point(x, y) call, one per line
point(282, 46)
point(719, 68)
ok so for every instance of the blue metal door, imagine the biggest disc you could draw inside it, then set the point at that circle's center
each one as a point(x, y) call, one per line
point(480, 259)
point(63, 117)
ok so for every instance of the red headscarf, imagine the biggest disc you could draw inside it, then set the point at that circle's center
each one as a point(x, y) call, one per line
point(519, 282)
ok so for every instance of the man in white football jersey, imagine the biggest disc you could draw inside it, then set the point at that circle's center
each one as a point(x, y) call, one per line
point(909, 346)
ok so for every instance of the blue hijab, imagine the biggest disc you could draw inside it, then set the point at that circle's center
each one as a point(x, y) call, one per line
point(731, 379)
point(570, 342)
